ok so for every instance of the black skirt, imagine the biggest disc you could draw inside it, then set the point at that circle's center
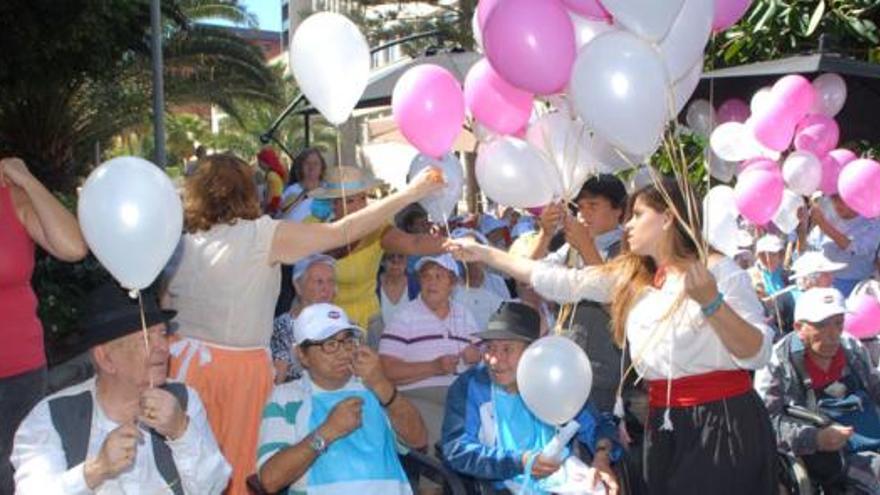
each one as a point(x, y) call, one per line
point(718, 448)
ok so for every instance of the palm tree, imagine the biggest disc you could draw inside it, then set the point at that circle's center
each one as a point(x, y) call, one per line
point(76, 73)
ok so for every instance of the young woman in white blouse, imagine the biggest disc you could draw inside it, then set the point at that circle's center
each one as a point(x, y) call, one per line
point(693, 333)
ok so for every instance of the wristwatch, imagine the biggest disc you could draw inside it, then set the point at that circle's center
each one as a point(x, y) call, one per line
point(318, 444)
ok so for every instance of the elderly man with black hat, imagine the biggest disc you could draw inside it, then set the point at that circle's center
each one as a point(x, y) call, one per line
point(490, 434)
point(126, 430)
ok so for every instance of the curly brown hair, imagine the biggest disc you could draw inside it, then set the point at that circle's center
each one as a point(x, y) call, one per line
point(221, 191)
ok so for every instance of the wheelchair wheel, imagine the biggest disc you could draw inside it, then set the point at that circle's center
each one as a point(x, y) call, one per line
point(793, 476)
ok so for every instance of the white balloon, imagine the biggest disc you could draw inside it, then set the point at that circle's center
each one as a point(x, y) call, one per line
point(639, 180)
point(685, 87)
point(618, 87)
point(587, 29)
point(514, 173)
point(610, 159)
point(478, 33)
point(722, 170)
point(733, 142)
point(700, 117)
point(330, 59)
point(554, 378)
point(719, 220)
point(802, 172)
point(649, 19)
point(786, 217)
point(831, 91)
point(760, 100)
point(131, 217)
point(687, 38)
point(564, 141)
point(441, 204)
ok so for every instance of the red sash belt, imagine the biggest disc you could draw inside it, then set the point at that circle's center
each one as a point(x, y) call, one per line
point(699, 389)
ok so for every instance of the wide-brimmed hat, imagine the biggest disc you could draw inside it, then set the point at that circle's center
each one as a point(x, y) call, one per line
point(345, 181)
point(110, 313)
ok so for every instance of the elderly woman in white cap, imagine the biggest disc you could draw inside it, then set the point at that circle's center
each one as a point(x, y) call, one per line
point(357, 263)
point(314, 280)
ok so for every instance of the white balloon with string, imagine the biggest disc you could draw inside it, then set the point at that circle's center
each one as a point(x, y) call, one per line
point(330, 59)
point(684, 87)
point(786, 217)
point(564, 141)
point(440, 204)
point(700, 117)
point(719, 220)
point(512, 172)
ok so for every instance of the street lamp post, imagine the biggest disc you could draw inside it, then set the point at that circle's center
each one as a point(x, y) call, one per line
point(158, 84)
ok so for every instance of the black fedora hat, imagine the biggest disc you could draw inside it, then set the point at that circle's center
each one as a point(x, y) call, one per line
point(515, 321)
point(109, 313)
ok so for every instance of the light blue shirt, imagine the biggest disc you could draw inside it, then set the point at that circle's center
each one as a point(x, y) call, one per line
point(864, 236)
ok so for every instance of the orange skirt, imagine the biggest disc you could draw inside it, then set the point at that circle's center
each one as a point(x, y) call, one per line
point(234, 386)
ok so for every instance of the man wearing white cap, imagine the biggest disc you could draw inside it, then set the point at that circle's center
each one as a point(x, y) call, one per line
point(423, 344)
point(314, 279)
point(822, 370)
point(813, 269)
point(336, 429)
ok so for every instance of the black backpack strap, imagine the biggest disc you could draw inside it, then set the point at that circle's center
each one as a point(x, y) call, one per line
point(72, 419)
point(161, 451)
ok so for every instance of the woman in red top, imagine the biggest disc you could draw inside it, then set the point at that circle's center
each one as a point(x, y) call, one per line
point(29, 214)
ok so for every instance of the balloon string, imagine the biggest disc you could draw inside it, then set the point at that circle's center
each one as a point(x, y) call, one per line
point(144, 333)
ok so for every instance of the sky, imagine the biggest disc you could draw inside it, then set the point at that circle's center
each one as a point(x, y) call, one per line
point(268, 13)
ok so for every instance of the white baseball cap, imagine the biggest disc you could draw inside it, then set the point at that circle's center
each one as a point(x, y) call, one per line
point(299, 269)
point(813, 262)
point(444, 260)
point(321, 321)
point(819, 304)
point(769, 244)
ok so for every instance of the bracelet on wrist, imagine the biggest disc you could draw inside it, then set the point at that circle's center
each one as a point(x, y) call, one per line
point(390, 399)
point(713, 306)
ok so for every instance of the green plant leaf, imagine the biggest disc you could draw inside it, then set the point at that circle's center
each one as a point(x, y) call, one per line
point(816, 18)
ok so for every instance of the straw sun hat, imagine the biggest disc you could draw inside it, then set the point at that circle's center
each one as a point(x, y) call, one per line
point(345, 179)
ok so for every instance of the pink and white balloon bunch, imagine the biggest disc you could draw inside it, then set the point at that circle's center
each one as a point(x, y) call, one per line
point(796, 117)
point(616, 71)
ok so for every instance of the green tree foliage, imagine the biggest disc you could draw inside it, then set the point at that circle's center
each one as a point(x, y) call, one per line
point(78, 72)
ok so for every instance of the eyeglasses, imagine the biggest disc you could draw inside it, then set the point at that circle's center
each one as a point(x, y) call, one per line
point(332, 346)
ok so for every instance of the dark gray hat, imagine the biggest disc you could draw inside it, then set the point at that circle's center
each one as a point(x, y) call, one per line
point(515, 321)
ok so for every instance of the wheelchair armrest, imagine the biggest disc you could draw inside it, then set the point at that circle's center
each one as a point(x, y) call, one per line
point(432, 468)
point(814, 418)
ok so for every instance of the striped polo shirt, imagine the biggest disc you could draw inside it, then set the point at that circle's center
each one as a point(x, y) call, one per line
point(416, 334)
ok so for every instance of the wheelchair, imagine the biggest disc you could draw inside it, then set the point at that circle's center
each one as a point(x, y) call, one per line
point(415, 464)
point(794, 474)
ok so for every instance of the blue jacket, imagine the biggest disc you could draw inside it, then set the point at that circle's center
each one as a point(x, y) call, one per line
point(470, 417)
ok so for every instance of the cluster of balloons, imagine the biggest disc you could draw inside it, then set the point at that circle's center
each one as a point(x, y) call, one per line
point(783, 146)
point(615, 71)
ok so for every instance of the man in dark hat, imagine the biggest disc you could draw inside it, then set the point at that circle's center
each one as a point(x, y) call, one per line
point(484, 408)
point(127, 430)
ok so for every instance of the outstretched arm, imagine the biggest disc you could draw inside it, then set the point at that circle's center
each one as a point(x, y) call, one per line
point(294, 241)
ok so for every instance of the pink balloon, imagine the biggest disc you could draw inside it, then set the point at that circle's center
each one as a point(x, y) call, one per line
point(789, 101)
point(484, 8)
point(817, 134)
point(758, 194)
point(531, 44)
point(859, 187)
point(757, 163)
point(591, 9)
point(493, 102)
point(728, 12)
point(832, 164)
point(863, 322)
point(733, 110)
point(428, 107)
